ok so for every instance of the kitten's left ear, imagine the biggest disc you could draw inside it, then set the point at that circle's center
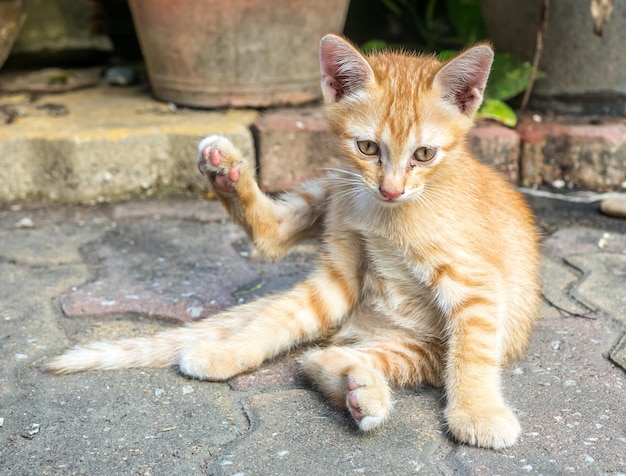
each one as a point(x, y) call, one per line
point(464, 78)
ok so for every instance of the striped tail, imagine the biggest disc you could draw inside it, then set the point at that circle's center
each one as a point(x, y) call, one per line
point(160, 350)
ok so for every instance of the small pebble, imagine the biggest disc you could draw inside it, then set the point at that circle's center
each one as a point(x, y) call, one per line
point(615, 207)
point(120, 76)
point(25, 223)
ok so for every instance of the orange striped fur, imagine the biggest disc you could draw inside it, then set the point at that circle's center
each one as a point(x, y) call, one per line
point(428, 261)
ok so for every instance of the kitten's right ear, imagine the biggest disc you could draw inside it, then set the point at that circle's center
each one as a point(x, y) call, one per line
point(464, 78)
point(344, 68)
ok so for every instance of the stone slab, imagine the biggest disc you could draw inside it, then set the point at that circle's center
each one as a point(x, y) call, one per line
point(579, 241)
point(559, 279)
point(598, 258)
point(144, 423)
point(570, 400)
point(568, 395)
point(618, 354)
point(160, 264)
point(111, 144)
point(308, 436)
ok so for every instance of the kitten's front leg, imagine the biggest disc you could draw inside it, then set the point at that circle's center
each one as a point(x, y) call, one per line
point(476, 412)
point(274, 225)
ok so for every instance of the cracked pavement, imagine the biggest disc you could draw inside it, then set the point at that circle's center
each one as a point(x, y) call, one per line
point(74, 274)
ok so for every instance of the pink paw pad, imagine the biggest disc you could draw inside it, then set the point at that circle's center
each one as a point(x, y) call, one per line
point(353, 401)
point(355, 409)
point(211, 161)
point(215, 156)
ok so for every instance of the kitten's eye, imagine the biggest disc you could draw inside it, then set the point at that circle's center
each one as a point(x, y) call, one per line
point(368, 147)
point(424, 154)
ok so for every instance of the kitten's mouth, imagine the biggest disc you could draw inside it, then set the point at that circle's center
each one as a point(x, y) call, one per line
point(389, 201)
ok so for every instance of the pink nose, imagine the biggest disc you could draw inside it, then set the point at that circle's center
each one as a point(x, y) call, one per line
point(390, 194)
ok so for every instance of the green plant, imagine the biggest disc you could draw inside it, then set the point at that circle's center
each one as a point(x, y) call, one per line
point(509, 77)
point(457, 23)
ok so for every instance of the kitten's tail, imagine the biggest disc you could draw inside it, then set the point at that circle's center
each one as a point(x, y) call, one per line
point(160, 350)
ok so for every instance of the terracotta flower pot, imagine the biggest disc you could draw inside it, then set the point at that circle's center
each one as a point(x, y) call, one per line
point(216, 53)
point(12, 15)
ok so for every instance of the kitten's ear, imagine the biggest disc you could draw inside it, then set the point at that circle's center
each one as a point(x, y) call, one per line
point(464, 78)
point(344, 68)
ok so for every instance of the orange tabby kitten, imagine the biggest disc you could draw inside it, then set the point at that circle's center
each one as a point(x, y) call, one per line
point(428, 263)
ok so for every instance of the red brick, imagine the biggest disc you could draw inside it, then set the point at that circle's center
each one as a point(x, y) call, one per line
point(292, 145)
point(581, 155)
point(497, 146)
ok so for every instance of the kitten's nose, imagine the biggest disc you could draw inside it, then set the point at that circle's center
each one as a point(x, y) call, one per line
point(390, 194)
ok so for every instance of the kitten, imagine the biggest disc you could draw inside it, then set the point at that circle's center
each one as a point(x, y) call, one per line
point(428, 265)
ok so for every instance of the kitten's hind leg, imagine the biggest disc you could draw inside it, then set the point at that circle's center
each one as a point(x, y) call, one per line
point(349, 381)
point(358, 376)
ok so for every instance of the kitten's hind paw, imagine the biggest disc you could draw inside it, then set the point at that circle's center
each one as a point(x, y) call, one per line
point(221, 162)
point(369, 405)
point(494, 428)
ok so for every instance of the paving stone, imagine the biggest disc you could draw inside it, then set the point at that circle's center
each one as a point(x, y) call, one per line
point(618, 354)
point(575, 241)
point(46, 246)
point(143, 422)
point(568, 390)
point(570, 401)
point(159, 268)
point(559, 279)
point(295, 432)
point(584, 156)
point(201, 210)
point(282, 372)
point(29, 328)
point(603, 283)
point(598, 259)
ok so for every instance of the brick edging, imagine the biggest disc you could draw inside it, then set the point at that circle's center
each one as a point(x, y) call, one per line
point(291, 144)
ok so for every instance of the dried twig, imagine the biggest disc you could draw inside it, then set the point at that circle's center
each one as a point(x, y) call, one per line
point(541, 32)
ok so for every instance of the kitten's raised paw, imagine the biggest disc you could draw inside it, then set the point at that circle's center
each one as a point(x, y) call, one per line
point(369, 405)
point(221, 162)
point(494, 428)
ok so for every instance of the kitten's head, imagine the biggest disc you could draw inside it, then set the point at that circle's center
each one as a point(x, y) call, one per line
point(399, 116)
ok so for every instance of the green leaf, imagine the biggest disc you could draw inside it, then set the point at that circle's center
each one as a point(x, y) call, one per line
point(498, 111)
point(374, 45)
point(445, 55)
point(467, 19)
point(509, 77)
